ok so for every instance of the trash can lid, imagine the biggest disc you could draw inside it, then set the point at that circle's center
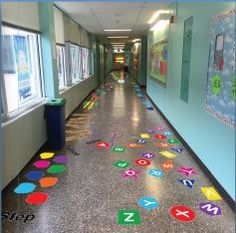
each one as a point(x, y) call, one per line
point(56, 102)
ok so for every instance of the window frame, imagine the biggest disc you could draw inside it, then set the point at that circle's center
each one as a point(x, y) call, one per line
point(39, 79)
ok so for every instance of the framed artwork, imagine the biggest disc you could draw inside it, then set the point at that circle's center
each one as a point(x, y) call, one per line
point(221, 79)
point(159, 60)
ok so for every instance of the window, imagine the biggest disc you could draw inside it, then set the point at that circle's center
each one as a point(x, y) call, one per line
point(21, 68)
point(85, 60)
point(74, 62)
point(61, 67)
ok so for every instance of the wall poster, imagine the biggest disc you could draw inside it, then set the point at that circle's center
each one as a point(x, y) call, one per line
point(159, 61)
point(221, 79)
point(22, 61)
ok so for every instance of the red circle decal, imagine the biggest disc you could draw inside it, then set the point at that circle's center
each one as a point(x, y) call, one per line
point(37, 198)
point(160, 136)
point(182, 213)
point(142, 162)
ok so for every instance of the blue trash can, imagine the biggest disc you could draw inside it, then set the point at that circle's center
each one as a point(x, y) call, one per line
point(55, 117)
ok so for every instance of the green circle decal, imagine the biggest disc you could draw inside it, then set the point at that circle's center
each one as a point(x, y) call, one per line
point(55, 169)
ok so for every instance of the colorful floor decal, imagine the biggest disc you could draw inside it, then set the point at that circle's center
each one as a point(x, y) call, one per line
point(56, 169)
point(25, 188)
point(182, 213)
point(129, 217)
point(155, 164)
point(39, 198)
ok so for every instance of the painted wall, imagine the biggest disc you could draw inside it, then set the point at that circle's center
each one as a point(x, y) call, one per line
point(210, 139)
point(76, 94)
point(22, 138)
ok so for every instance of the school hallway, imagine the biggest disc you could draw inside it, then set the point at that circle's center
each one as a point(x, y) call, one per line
point(97, 182)
point(117, 117)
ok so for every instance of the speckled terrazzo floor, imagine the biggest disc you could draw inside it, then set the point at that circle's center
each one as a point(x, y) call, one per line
point(91, 191)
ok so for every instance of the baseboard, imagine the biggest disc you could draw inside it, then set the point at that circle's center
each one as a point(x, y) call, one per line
point(213, 179)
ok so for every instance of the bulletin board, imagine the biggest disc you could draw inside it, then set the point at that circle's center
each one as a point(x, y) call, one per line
point(159, 60)
point(221, 79)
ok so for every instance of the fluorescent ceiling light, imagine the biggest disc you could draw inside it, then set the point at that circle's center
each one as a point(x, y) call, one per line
point(117, 37)
point(157, 14)
point(117, 30)
point(161, 24)
point(117, 43)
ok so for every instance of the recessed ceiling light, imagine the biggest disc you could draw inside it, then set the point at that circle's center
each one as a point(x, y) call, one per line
point(117, 37)
point(117, 30)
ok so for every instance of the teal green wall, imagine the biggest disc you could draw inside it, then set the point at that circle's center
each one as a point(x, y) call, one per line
point(48, 43)
point(212, 140)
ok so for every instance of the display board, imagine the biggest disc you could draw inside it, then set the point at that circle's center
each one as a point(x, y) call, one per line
point(159, 60)
point(221, 79)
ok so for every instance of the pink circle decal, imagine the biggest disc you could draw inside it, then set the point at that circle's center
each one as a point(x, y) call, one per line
point(42, 164)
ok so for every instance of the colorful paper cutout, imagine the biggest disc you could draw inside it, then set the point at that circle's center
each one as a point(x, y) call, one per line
point(160, 136)
point(148, 203)
point(130, 173)
point(56, 169)
point(42, 164)
point(102, 145)
point(167, 154)
point(48, 182)
point(173, 141)
point(178, 149)
point(34, 175)
point(118, 149)
point(122, 164)
point(61, 159)
point(187, 183)
point(148, 155)
point(167, 166)
point(142, 162)
point(211, 194)
point(210, 208)
point(24, 188)
point(46, 155)
point(129, 217)
point(37, 198)
point(145, 135)
point(156, 173)
point(187, 171)
point(182, 213)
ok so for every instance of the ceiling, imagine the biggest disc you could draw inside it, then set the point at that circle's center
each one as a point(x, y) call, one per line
point(97, 16)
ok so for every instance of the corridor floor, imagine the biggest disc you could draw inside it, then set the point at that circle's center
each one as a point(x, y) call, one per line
point(125, 171)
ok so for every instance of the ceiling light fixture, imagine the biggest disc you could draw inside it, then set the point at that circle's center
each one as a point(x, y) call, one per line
point(161, 24)
point(157, 14)
point(136, 40)
point(117, 30)
point(117, 37)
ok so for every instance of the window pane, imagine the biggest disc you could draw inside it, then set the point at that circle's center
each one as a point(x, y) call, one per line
point(20, 68)
point(85, 59)
point(61, 67)
point(74, 59)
